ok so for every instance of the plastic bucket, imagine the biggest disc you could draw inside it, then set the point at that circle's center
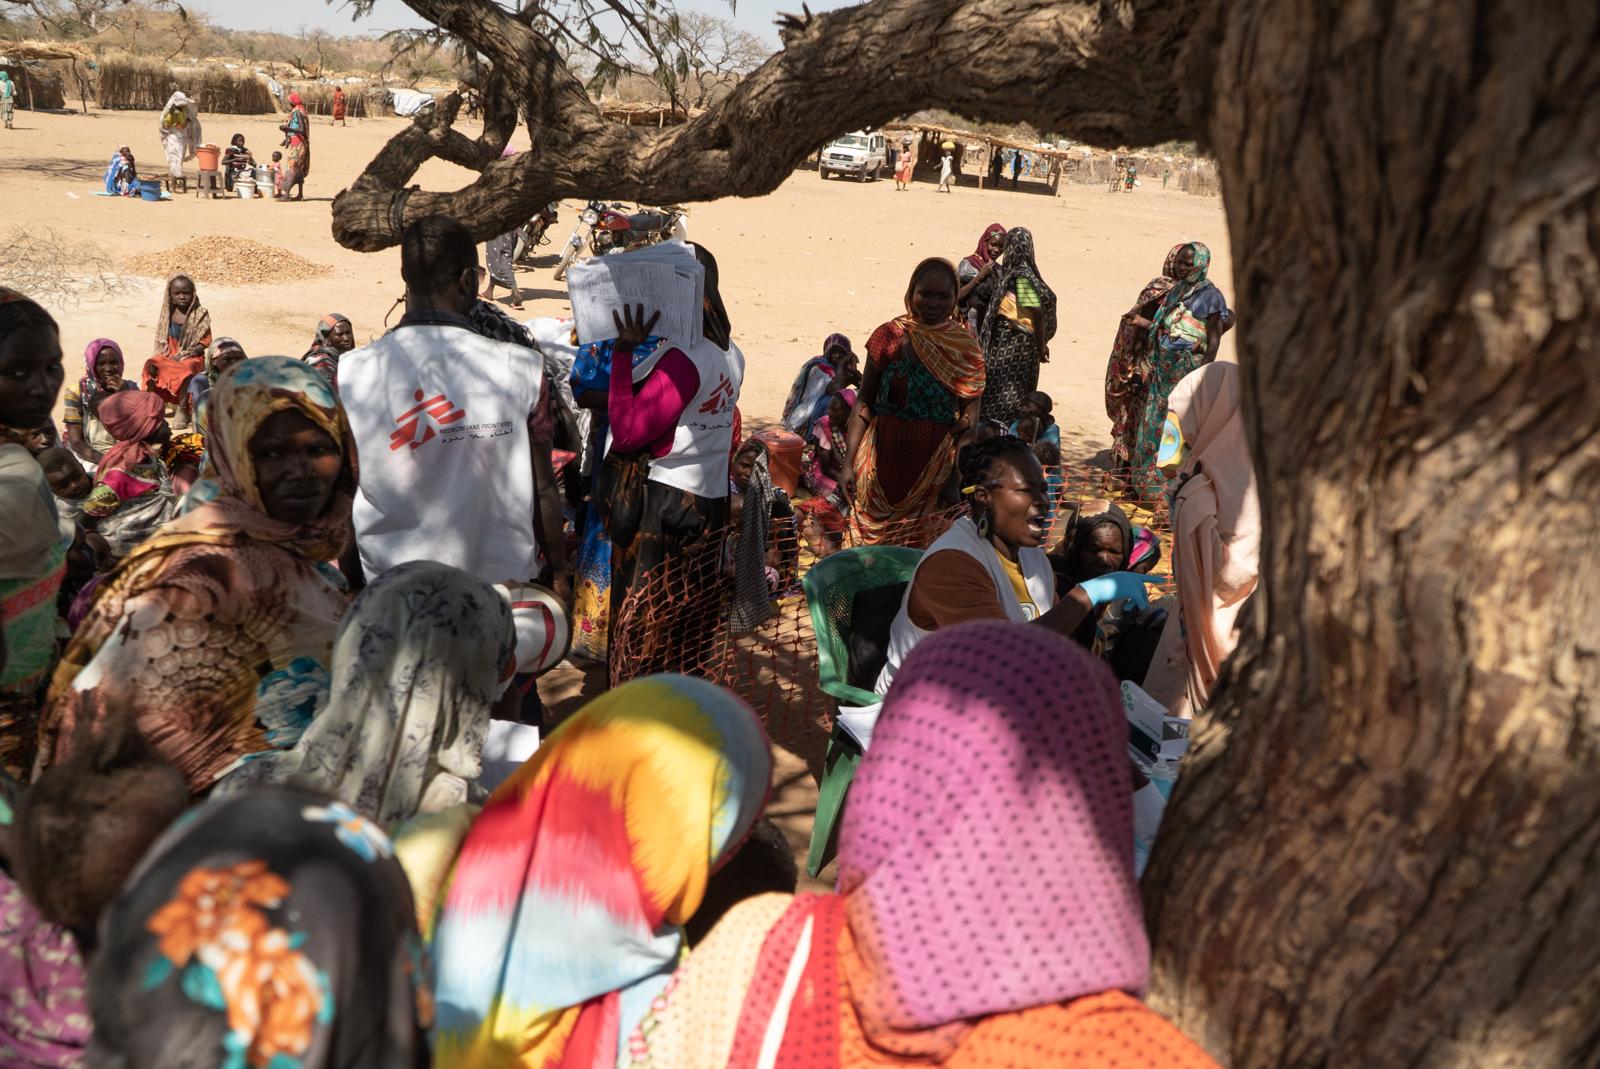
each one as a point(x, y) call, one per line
point(264, 178)
point(245, 187)
point(206, 156)
point(149, 188)
point(784, 451)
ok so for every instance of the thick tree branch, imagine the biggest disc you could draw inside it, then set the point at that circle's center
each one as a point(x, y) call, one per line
point(1102, 70)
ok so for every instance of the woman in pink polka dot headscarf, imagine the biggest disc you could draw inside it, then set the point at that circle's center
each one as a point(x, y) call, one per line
point(986, 914)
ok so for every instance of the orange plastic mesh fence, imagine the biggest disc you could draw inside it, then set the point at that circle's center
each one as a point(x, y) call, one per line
point(679, 618)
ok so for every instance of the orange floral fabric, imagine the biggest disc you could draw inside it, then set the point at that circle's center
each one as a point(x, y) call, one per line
point(271, 991)
point(207, 901)
point(268, 931)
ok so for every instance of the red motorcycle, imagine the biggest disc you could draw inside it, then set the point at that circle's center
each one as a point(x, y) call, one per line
point(612, 228)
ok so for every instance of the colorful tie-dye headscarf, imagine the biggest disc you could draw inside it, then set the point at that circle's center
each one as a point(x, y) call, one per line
point(561, 920)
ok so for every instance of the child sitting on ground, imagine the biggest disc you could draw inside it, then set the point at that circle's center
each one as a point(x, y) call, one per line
point(822, 518)
point(750, 485)
point(1055, 480)
point(1034, 422)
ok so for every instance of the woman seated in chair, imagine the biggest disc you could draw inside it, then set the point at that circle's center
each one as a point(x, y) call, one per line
point(991, 565)
point(237, 162)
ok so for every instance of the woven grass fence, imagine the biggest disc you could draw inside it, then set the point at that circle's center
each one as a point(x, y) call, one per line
point(1200, 177)
point(1189, 176)
point(129, 83)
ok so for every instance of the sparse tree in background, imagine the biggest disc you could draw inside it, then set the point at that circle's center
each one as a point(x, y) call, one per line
point(712, 53)
point(157, 29)
point(65, 19)
point(416, 56)
point(78, 19)
point(307, 52)
point(1384, 847)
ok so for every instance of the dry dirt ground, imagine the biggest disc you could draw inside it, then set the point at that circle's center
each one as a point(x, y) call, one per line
point(811, 258)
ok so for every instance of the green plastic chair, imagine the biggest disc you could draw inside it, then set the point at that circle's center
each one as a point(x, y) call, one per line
point(831, 587)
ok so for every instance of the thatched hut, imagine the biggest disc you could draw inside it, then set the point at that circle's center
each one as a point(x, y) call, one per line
point(38, 87)
point(1199, 176)
point(47, 72)
point(318, 98)
point(974, 152)
point(1189, 175)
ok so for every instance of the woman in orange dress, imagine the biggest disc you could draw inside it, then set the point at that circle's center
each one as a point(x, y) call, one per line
point(904, 164)
point(920, 392)
point(183, 331)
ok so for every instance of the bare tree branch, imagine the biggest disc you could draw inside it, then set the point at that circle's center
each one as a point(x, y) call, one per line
point(1100, 69)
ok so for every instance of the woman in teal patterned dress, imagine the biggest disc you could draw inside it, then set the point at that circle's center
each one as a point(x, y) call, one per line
point(1184, 334)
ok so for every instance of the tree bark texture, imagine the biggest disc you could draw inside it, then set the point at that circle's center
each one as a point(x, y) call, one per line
point(1101, 60)
point(1385, 849)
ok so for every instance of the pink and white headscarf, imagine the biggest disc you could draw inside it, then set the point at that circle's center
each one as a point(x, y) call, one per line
point(986, 857)
point(985, 871)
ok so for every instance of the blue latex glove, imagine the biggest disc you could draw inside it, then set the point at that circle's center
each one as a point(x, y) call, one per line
point(1119, 586)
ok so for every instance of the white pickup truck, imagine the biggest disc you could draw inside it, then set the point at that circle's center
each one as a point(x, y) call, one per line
point(860, 154)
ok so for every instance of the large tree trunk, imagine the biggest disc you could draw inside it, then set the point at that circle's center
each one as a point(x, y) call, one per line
point(1385, 848)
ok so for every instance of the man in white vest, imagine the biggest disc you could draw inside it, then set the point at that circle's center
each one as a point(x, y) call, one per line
point(440, 416)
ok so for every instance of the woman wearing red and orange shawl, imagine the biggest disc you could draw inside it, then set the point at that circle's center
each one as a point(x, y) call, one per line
point(920, 392)
point(977, 274)
point(132, 494)
point(986, 912)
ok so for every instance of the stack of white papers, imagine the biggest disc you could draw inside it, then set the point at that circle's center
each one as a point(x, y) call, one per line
point(664, 278)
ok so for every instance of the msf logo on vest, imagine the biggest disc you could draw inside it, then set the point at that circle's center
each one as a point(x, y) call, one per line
point(421, 423)
point(720, 399)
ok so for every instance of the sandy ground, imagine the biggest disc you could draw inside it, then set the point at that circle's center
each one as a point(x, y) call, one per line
point(811, 258)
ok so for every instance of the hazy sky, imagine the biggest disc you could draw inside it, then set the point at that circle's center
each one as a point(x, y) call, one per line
point(287, 16)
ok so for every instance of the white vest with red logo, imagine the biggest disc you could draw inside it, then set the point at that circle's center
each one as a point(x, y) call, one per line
point(440, 419)
point(698, 459)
